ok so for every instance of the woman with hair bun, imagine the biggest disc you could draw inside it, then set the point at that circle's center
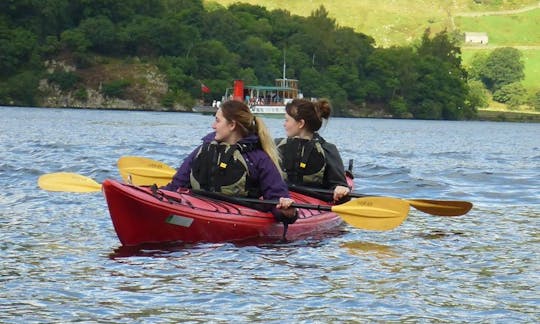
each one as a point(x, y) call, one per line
point(238, 159)
point(307, 159)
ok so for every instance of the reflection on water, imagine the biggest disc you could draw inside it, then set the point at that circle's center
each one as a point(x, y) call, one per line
point(166, 249)
point(366, 248)
point(437, 234)
point(62, 261)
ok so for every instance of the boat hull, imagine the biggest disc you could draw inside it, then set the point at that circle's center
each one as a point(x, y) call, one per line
point(278, 110)
point(140, 216)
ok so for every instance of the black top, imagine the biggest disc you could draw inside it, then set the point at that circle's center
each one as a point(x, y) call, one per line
point(334, 174)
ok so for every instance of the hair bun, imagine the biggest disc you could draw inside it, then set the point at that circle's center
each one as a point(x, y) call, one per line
point(323, 108)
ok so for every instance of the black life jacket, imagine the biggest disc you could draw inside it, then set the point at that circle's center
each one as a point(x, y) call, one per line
point(303, 161)
point(220, 167)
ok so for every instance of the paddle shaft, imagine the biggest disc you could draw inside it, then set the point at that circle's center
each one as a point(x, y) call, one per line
point(432, 207)
point(295, 205)
point(308, 190)
point(219, 196)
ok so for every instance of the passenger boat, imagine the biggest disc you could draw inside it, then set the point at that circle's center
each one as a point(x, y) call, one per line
point(145, 215)
point(265, 100)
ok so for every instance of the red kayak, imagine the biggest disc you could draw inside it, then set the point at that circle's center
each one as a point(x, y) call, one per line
point(142, 215)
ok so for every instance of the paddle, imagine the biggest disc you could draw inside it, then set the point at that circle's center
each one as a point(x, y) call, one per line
point(144, 172)
point(370, 213)
point(433, 207)
point(68, 182)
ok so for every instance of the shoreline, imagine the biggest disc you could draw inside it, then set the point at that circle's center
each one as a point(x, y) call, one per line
point(508, 116)
point(483, 114)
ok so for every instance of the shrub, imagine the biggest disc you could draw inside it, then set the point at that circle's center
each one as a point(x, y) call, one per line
point(535, 101)
point(398, 107)
point(65, 80)
point(168, 100)
point(513, 94)
point(81, 95)
point(115, 89)
point(477, 97)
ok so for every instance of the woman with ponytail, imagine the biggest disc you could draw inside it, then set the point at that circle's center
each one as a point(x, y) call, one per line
point(239, 159)
point(308, 159)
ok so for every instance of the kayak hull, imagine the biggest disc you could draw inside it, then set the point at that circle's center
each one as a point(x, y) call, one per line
point(141, 216)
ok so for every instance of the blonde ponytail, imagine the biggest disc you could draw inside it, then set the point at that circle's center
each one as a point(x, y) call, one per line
point(267, 142)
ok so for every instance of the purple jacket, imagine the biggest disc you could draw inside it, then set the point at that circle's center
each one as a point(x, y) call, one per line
point(261, 169)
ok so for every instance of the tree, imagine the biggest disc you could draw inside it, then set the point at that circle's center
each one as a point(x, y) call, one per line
point(440, 89)
point(440, 46)
point(21, 89)
point(320, 29)
point(262, 56)
point(101, 33)
point(477, 97)
point(17, 47)
point(75, 40)
point(392, 72)
point(477, 66)
point(214, 61)
point(437, 88)
point(253, 20)
point(513, 94)
point(503, 66)
point(398, 107)
point(173, 37)
point(222, 25)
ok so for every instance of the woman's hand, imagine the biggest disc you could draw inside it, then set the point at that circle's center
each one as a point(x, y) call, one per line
point(284, 203)
point(284, 206)
point(340, 192)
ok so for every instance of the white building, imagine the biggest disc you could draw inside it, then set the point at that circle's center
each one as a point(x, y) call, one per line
point(476, 38)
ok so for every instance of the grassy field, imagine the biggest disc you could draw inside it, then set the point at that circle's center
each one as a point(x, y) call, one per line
point(508, 30)
point(521, 30)
point(494, 5)
point(389, 22)
point(531, 59)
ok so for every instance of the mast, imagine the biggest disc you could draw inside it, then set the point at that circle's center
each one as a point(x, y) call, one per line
point(284, 66)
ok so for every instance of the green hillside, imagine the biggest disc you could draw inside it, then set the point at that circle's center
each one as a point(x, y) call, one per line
point(393, 22)
point(521, 30)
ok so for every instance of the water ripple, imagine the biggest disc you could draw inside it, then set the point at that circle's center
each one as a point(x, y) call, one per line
point(62, 261)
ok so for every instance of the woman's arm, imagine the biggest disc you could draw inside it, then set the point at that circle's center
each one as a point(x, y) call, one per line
point(335, 172)
point(273, 187)
point(271, 183)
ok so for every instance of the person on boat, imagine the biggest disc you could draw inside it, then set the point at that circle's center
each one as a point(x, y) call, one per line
point(238, 159)
point(307, 159)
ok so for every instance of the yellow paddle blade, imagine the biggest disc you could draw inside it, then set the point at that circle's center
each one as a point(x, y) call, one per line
point(68, 182)
point(142, 171)
point(441, 207)
point(373, 213)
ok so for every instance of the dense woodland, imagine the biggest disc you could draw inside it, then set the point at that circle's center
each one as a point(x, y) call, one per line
point(194, 44)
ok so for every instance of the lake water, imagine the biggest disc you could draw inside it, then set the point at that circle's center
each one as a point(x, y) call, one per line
point(62, 262)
